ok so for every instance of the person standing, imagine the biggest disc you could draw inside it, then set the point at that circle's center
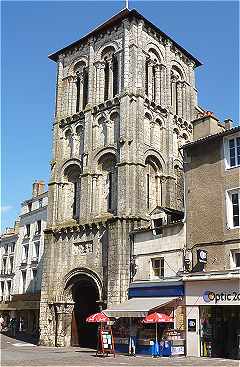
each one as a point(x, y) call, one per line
point(13, 326)
point(1, 323)
point(132, 338)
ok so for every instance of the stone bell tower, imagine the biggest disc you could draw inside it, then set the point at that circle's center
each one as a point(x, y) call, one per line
point(124, 104)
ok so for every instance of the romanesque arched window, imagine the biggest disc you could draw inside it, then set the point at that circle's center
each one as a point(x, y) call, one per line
point(80, 140)
point(68, 143)
point(176, 91)
point(111, 72)
point(153, 172)
point(71, 192)
point(154, 76)
point(81, 73)
point(107, 183)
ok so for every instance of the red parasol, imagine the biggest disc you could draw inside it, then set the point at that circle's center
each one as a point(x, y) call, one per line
point(97, 317)
point(156, 318)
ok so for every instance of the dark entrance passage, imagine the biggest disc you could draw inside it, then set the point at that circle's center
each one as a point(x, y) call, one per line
point(85, 295)
point(220, 331)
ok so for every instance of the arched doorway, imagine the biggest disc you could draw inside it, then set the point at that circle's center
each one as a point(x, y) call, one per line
point(85, 294)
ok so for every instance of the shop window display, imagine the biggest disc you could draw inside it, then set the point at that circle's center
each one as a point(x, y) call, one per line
point(219, 331)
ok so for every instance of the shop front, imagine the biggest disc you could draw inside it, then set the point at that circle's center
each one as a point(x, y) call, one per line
point(213, 316)
point(146, 298)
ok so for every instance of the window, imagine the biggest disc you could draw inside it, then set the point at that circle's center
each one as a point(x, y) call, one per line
point(39, 227)
point(12, 247)
point(4, 267)
point(36, 247)
point(27, 230)
point(233, 208)
point(115, 76)
point(9, 286)
point(235, 259)
point(5, 250)
point(158, 267)
point(29, 207)
point(11, 264)
point(85, 87)
point(2, 288)
point(157, 223)
point(34, 279)
point(232, 152)
point(40, 203)
point(24, 276)
point(106, 80)
point(25, 252)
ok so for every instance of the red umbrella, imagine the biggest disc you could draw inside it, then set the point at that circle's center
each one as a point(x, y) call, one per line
point(155, 318)
point(97, 317)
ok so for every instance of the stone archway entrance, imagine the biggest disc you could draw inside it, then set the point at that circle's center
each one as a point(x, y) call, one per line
point(85, 294)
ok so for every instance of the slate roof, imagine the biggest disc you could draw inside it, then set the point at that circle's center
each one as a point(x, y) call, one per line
point(116, 19)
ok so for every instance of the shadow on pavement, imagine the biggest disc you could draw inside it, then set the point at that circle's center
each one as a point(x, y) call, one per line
point(21, 336)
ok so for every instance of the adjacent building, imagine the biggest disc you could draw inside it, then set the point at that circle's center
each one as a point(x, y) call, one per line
point(7, 264)
point(212, 191)
point(126, 97)
point(21, 261)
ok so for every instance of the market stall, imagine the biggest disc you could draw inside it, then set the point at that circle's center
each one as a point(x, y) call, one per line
point(133, 312)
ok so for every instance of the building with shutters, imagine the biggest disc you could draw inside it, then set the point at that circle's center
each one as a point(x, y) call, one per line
point(21, 251)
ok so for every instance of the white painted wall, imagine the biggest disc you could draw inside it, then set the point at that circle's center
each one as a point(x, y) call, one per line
point(169, 245)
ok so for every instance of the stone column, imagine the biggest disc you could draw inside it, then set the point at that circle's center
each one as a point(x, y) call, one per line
point(168, 75)
point(119, 58)
point(150, 80)
point(94, 194)
point(179, 99)
point(163, 91)
point(158, 185)
point(126, 54)
point(63, 312)
point(81, 77)
point(101, 82)
point(91, 74)
point(74, 95)
point(158, 84)
point(59, 89)
point(110, 84)
point(184, 102)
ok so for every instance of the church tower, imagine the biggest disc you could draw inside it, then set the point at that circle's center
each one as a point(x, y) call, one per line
point(125, 101)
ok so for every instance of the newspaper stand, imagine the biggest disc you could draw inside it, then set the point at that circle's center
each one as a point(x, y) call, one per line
point(105, 344)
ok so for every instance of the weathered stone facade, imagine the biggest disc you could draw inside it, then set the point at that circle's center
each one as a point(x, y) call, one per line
point(125, 100)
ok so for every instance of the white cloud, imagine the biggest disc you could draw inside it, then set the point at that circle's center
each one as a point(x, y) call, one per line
point(5, 208)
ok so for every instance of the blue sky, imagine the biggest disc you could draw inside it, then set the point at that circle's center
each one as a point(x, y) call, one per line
point(31, 30)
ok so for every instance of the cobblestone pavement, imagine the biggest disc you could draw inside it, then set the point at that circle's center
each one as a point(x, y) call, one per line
point(18, 353)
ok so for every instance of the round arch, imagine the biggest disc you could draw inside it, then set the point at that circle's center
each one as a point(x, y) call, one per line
point(101, 49)
point(84, 288)
point(175, 65)
point(157, 156)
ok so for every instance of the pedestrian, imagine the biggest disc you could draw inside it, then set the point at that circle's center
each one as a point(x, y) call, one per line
point(13, 326)
point(1, 323)
point(132, 338)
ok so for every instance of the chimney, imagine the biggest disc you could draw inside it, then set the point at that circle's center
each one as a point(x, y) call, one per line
point(38, 188)
point(207, 124)
point(228, 124)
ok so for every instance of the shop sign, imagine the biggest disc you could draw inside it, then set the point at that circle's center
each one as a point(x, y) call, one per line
point(210, 296)
point(178, 350)
point(192, 324)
